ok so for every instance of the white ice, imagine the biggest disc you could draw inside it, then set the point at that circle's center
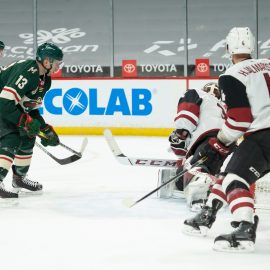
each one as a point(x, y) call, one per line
point(80, 222)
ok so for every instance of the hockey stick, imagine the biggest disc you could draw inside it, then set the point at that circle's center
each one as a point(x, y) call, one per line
point(200, 161)
point(42, 135)
point(67, 160)
point(123, 159)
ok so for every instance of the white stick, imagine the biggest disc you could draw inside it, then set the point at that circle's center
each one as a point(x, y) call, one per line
point(122, 158)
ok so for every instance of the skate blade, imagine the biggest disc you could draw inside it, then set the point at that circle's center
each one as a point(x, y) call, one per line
point(189, 230)
point(7, 202)
point(224, 246)
point(28, 193)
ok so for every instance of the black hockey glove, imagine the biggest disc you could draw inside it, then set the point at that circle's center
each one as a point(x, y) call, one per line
point(177, 141)
point(51, 138)
point(30, 125)
point(215, 151)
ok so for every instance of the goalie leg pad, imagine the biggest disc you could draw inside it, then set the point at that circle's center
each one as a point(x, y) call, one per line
point(197, 190)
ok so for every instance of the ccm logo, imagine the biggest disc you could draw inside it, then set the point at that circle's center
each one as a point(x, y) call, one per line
point(220, 149)
point(256, 173)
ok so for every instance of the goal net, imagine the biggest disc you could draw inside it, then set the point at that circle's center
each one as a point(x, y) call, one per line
point(262, 192)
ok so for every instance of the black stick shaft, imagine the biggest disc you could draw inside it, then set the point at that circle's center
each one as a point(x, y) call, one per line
point(70, 149)
point(170, 180)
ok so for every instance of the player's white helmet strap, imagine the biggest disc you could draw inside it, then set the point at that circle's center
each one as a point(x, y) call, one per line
point(240, 40)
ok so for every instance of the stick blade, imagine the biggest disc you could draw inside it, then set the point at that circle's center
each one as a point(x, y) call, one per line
point(84, 144)
point(128, 202)
point(112, 142)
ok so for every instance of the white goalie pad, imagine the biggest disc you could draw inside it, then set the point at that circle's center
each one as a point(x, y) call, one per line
point(170, 190)
point(198, 188)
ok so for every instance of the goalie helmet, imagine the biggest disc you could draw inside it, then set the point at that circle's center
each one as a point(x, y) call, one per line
point(240, 40)
point(2, 45)
point(213, 89)
point(49, 50)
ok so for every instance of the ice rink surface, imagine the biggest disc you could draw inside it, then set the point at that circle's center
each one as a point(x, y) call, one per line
point(80, 222)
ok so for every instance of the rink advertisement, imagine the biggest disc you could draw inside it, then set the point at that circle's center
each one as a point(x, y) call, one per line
point(89, 104)
point(135, 106)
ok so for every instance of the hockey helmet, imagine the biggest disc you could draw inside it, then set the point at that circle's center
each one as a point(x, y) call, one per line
point(49, 50)
point(213, 89)
point(2, 45)
point(240, 40)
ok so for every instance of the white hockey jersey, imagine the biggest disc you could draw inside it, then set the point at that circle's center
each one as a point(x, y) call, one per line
point(200, 113)
point(246, 86)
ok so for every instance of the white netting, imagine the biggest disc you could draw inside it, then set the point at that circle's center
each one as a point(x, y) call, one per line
point(262, 193)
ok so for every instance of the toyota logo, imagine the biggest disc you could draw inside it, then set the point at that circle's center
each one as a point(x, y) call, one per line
point(129, 68)
point(202, 67)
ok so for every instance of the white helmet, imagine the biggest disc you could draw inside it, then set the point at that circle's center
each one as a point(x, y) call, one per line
point(240, 40)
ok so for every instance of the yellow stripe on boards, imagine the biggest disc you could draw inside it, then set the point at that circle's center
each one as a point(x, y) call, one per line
point(124, 131)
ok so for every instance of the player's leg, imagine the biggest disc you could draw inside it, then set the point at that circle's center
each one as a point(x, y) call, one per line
point(203, 221)
point(197, 184)
point(9, 144)
point(243, 170)
point(21, 166)
point(200, 179)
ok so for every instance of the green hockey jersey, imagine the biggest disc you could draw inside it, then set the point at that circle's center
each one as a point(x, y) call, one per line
point(22, 90)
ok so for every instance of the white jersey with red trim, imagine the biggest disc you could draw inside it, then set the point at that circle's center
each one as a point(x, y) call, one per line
point(199, 113)
point(246, 86)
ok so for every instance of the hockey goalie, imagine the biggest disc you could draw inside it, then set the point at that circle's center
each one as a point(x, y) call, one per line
point(200, 114)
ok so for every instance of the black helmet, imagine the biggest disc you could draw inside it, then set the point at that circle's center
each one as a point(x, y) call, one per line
point(49, 50)
point(213, 89)
point(2, 45)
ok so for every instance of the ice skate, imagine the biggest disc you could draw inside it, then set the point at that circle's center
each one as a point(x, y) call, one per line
point(241, 240)
point(22, 182)
point(6, 194)
point(203, 221)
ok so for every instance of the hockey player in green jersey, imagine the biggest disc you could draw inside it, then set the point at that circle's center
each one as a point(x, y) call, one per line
point(2, 47)
point(23, 85)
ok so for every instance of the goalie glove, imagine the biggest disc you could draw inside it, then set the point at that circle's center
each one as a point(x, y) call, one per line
point(215, 151)
point(178, 141)
point(51, 138)
point(30, 125)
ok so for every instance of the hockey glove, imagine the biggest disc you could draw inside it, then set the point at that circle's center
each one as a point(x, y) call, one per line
point(215, 151)
point(178, 142)
point(30, 125)
point(50, 136)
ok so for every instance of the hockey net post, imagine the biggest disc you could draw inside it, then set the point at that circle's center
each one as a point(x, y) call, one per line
point(261, 192)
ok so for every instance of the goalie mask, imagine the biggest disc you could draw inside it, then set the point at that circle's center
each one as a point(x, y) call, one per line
point(240, 40)
point(213, 89)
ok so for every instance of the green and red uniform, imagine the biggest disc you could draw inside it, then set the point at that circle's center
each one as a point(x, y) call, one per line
point(22, 90)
